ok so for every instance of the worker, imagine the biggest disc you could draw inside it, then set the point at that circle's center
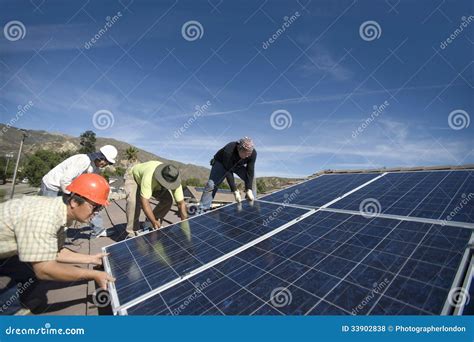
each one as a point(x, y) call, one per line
point(32, 235)
point(152, 179)
point(56, 181)
point(236, 157)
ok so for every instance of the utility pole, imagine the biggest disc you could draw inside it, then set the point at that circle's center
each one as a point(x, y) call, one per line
point(8, 156)
point(24, 136)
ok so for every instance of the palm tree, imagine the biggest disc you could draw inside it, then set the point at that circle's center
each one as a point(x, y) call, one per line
point(132, 154)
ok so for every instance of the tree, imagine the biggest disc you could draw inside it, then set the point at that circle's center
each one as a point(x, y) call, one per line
point(132, 154)
point(87, 142)
point(40, 163)
point(261, 186)
point(120, 171)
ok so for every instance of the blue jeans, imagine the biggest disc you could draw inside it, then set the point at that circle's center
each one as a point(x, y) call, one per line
point(96, 222)
point(47, 192)
point(217, 176)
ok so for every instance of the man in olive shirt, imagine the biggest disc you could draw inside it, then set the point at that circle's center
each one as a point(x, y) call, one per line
point(152, 179)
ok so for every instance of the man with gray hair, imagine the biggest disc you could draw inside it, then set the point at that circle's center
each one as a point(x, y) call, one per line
point(236, 157)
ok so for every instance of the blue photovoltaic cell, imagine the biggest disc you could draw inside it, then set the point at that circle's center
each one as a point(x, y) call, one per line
point(443, 195)
point(327, 264)
point(154, 259)
point(321, 190)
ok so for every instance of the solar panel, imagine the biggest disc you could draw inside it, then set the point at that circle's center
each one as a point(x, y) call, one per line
point(328, 263)
point(321, 190)
point(433, 195)
point(149, 261)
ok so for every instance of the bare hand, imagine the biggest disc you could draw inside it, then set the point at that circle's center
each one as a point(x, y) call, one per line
point(157, 225)
point(96, 259)
point(102, 278)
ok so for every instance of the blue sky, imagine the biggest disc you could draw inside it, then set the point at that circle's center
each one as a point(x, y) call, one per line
point(322, 73)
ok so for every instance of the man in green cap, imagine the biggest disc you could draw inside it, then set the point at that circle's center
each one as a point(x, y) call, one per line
point(152, 179)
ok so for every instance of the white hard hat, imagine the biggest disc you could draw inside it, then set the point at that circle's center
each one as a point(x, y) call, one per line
point(109, 152)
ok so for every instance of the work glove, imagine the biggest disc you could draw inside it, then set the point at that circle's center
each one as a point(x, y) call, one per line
point(250, 195)
point(238, 199)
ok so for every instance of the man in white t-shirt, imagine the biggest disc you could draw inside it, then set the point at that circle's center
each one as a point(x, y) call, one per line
point(55, 182)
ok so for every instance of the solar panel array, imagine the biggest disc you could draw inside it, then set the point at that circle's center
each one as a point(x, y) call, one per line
point(273, 259)
point(321, 190)
point(432, 195)
point(150, 261)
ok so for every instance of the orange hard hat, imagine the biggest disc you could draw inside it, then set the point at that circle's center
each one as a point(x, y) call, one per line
point(91, 186)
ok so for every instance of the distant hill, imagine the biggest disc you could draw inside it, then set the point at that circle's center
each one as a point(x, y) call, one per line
point(9, 142)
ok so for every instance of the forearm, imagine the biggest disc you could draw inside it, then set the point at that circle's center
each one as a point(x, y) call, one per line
point(147, 210)
point(63, 185)
point(67, 256)
point(52, 270)
point(250, 176)
point(183, 213)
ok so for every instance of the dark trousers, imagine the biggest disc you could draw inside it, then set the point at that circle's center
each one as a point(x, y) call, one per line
point(217, 176)
point(17, 284)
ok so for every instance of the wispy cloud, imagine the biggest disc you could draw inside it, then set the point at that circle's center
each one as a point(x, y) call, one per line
point(321, 61)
